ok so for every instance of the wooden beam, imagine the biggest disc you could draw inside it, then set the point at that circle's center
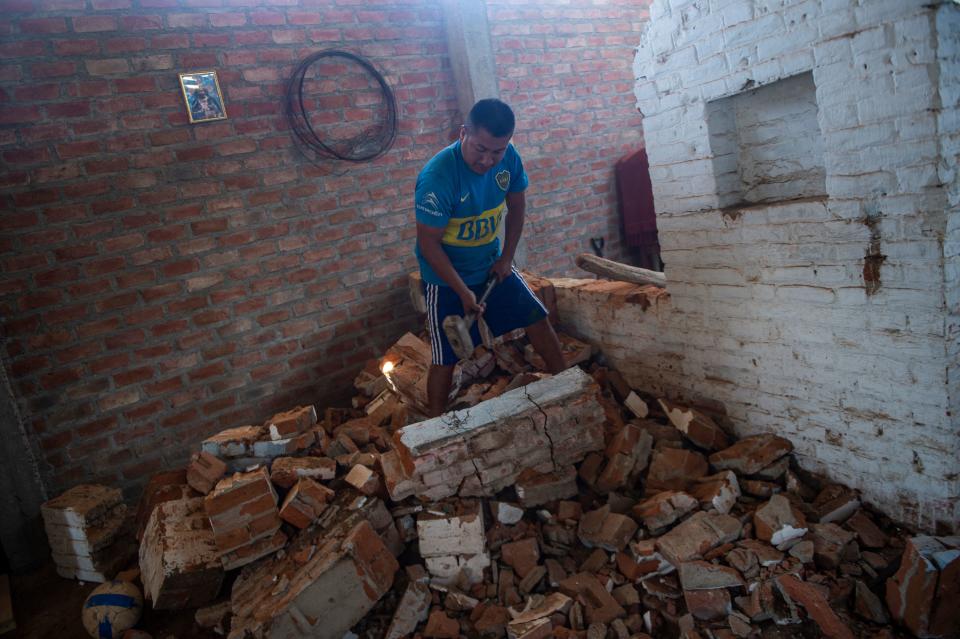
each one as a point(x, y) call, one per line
point(620, 272)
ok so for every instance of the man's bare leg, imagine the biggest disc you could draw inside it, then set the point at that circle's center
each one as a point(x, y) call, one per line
point(439, 379)
point(545, 341)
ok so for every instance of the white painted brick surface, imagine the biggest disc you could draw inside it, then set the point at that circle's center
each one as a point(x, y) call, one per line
point(768, 311)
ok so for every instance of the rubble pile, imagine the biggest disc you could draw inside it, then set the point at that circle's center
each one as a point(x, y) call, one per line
point(567, 506)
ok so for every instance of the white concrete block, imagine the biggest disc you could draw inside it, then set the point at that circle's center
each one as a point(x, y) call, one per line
point(454, 534)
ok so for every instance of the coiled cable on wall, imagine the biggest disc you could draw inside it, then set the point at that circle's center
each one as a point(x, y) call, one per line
point(368, 145)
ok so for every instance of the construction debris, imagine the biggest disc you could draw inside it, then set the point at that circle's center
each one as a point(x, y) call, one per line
point(244, 517)
point(179, 560)
point(569, 506)
point(923, 595)
point(85, 528)
point(546, 426)
point(326, 581)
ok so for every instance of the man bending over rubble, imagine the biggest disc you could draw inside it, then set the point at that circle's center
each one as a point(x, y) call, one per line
point(461, 197)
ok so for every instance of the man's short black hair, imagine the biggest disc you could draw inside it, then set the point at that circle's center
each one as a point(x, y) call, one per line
point(494, 116)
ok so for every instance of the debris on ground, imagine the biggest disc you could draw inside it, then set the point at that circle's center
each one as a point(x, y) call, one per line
point(567, 506)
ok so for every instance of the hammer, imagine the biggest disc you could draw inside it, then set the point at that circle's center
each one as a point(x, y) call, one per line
point(458, 328)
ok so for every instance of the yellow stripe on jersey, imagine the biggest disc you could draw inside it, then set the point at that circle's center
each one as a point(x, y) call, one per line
point(474, 231)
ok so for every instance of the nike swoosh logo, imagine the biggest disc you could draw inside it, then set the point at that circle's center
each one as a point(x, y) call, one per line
point(464, 198)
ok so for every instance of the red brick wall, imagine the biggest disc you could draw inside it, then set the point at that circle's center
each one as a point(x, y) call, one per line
point(163, 280)
point(568, 72)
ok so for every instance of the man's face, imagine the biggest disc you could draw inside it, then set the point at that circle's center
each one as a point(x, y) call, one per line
point(481, 151)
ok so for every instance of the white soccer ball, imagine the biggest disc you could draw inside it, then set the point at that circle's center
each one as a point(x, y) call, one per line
point(111, 609)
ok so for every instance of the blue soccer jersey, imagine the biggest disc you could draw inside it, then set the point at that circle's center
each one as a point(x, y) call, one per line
point(469, 207)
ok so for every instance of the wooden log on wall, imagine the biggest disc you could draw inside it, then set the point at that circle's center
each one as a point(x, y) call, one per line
point(620, 272)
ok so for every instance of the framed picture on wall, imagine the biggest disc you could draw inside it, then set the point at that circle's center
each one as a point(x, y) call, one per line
point(201, 92)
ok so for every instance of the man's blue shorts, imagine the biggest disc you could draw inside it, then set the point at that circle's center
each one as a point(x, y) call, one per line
point(511, 305)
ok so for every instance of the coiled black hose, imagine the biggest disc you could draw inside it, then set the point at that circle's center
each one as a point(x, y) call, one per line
point(371, 143)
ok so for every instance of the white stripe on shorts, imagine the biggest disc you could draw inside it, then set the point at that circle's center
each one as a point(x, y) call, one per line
point(529, 290)
point(432, 323)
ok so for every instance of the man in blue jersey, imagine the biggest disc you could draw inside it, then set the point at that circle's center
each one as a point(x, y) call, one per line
point(462, 196)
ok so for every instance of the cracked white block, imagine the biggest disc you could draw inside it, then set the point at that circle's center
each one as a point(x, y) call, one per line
point(458, 570)
point(452, 534)
point(545, 425)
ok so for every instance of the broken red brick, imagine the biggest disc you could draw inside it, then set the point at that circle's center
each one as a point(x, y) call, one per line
point(233, 442)
point(243, 512)
point(346, 573)
point(627, 456)
point(600, 606)
point(161, 487)
point(708, 604)
point(835, 503)
point(868, 534)
point(868, 605)
point(699, 428)
point(534, 489)
point(286, 471)
point(830, 544)
point(523, 556)
point(363, 479)
point(675, 469)
point(816, 605)
point(717, 492)
point(664, 508)
point(440, 626)
point(697, 535)
point(779, 521)
point(751, 454)
point(204, 472)
point(703, 575)
point(492, 621)
point(305, 502)
point(605, 529)
point(290, 422)
point(923, 594)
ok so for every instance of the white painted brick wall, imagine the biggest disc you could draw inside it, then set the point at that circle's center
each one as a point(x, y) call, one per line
point(948, 57)
point(768, 311)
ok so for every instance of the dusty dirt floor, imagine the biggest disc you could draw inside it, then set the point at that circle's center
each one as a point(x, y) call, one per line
point(47, 606)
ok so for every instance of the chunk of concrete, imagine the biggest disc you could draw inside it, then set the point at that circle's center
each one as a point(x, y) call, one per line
point(546, 426)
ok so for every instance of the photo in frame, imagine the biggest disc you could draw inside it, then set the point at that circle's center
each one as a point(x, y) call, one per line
point(201, 92)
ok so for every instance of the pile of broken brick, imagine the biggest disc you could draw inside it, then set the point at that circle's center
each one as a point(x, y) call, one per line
point(565, 506)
